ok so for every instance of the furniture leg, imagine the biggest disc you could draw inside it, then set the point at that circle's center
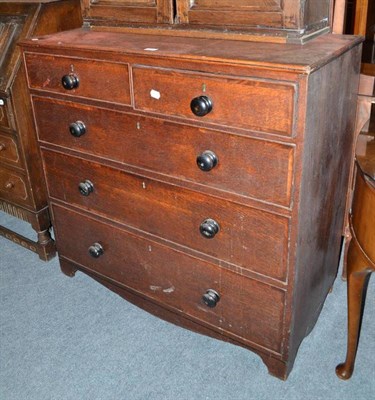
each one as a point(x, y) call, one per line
point(358, 277)
point(45, 245)
point(67, 268)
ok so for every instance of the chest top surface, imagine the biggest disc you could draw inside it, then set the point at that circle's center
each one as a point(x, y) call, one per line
point(299, 58)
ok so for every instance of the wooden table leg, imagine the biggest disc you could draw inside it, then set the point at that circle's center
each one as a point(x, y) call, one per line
point(358, 274)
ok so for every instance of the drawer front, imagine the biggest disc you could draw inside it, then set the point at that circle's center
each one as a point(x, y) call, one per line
point(245, 235)
point(174, 278)
point(9, 150)
point(240, 102)
point(105, 81)
point(13, 187)
point(248, 167)
point(5, 120)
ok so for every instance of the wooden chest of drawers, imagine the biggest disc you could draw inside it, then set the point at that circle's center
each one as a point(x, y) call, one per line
point(22, 188)
point(202, 180)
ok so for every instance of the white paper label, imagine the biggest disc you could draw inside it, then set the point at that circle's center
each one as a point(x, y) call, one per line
point(150, 49)
point(155, 94)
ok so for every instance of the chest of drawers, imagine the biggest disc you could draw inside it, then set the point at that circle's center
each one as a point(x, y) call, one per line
point(202, 180)
point(22, 188)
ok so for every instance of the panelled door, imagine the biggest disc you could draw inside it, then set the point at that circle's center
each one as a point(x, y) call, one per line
point(146, 12)
point(230, 13)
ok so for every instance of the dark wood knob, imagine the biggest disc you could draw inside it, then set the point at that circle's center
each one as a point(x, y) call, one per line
point(9, 185)
point(201, 106)
point(2, 146)
point(96, 250)
point(209, 228)
point(77, 128)
point(70, 81)
point(211, 298)
point(207, 160)
point(86, 187)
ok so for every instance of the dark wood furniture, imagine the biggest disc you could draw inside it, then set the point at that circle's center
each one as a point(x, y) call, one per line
point(22, 187)
point(203, 180)
point(273, 20)
point(361, 253)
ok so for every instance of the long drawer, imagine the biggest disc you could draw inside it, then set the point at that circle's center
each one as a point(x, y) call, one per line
point(89, 78)
point(253, 104)
point(248, 167)
point(249, 238)
point(174, 278)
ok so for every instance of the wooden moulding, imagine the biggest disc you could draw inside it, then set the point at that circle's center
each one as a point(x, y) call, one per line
point(270, 36)
point(191, 33)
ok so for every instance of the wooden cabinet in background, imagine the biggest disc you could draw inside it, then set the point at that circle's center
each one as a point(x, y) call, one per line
point(22, 186)
point(299, 17)
point(276, 20)
point(139, 12)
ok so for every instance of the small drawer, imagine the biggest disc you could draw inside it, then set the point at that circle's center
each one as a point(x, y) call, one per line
point(13, 186)
point(252, 104)
point(227, 231)
point(245, 166)
point(100, 80)
point(173, 278)
point(8, 150)
point(5, 117)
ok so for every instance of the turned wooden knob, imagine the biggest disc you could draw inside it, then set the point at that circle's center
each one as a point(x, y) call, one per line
point(201, 106)
point(70, 81)
point(96, 250)
point(209, 228)
point(77, 128)
point(207, 160)
point(211, 298)
point(86, 187)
